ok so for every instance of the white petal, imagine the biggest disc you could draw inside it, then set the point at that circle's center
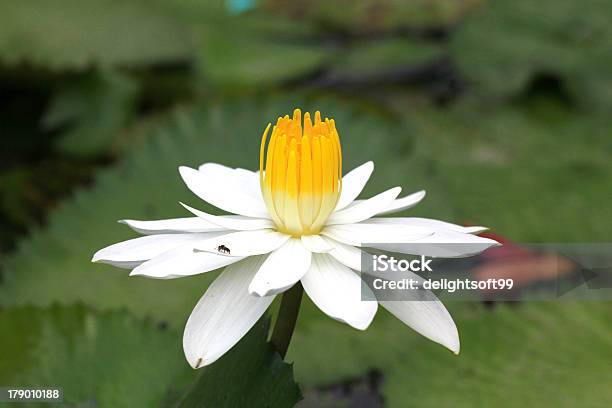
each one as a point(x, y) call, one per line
point(353, 183)
point(281, 269)
point(212, 184)
point(316, 243)
point(359, 234)
point(124, 264)
point(248, 180)
point(347, 255)
point(245, 243)
point(182, 261)
point(233, 222)
point(173, 225)
point(337, 291)
point(429, 318)
point(404, 203)
point(443, 244)
point(426, 223)
point(476, 229)
point(365, 209)
point(217, 168)
point(144, 248)
point(224, 314)
point(249, 176)
point(423, 312)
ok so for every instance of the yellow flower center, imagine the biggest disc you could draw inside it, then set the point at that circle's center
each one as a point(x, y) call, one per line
point(303, 172)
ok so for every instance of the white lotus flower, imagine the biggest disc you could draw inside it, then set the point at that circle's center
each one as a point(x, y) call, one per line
point(296, 220)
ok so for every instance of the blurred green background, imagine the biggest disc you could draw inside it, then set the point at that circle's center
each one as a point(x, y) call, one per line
point(499, 109)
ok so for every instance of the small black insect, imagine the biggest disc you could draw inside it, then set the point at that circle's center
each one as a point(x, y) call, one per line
point(222, 249)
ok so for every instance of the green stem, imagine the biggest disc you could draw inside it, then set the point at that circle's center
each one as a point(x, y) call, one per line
point(287, 316)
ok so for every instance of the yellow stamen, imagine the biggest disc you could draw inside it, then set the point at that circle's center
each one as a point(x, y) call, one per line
point(302, 180)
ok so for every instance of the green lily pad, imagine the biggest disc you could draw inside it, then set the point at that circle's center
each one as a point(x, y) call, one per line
point(251, 374)
point(75, 34)
point(529, 173)
point(380, 60)
point(375, 16)
point(237, 58)
point(252, 49)
point(112, 359)
point(105, 359)
point(506, 44)
point(505, 355)
point(537, 354)
point(93, 108)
